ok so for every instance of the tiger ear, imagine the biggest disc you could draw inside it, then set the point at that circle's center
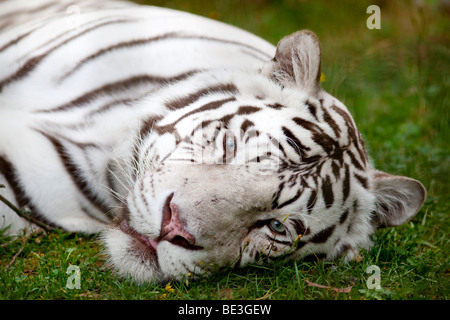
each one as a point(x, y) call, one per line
point(297, 62)
point(398, 199)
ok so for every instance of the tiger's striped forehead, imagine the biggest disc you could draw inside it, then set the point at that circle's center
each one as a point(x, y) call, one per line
point(309, 143)
point(302, 129)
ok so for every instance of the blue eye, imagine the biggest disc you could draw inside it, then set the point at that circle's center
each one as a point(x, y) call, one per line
point(277, 226)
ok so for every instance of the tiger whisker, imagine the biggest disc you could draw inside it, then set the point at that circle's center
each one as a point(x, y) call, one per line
point(121, 198)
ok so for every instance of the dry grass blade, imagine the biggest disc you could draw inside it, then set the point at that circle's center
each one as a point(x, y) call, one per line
point(268, 294)
point(344, 290)
point(24, 242)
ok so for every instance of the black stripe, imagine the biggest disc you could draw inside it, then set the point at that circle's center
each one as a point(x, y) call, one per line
point(110, 105)
point(301, 244)
point(170, 128)
point(22, 72)
point(23, 11)
point(298, 226)
point(21, 197)
point(354, 161)
point(336, 169)
point(32, 63)
point(361, 150)
point(67, 31)
point(277, 144)
point(196, 37)
point(76, 174)
point(258, 224)
point(191, 98)
point(16, 40)
point(311, 201)
point(209, 106)
point(201, 126)
point(353, 132)
point(147, 126)
point(244, 126)
point(114, 87)
point(277, 196)
point(286, 243)
point(142, 194)
point(348, 120)
point(346, 184)
point(120, 45)
point(327, 192)
point(344, 216)
point(294, 142)
point(362, 180)
point(275, 106)
point(323, 235)
point(312, 109)
point(168, 36)
point(226, 120)
point(246, 110)
point(331, 123)
point(254, 55)
point(318, 135)
point(293, 199)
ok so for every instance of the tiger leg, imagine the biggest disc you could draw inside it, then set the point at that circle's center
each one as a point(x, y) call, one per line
point(35, 179)
point(10, 222)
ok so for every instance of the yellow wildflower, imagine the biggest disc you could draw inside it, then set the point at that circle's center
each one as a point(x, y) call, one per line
point(169, 288)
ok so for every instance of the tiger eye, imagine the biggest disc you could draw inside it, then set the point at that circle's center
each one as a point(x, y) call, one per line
point(277, 226)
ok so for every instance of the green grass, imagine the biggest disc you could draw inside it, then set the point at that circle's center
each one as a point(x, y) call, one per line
point(395, 81)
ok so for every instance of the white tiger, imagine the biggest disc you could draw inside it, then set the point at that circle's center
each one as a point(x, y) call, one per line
point(198, 145)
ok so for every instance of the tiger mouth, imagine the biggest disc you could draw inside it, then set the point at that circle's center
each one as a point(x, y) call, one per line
point(150, 244)
point(172, 230)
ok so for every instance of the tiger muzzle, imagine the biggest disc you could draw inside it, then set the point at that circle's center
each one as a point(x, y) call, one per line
point(172, 229)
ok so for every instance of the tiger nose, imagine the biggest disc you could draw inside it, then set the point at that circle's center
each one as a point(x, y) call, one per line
point(172, 229)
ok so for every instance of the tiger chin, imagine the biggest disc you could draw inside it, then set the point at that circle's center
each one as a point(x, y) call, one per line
point(225, 152)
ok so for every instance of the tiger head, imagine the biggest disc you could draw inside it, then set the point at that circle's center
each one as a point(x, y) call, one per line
point(252, 166)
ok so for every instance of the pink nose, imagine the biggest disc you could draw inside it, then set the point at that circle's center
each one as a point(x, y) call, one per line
point(172, 229)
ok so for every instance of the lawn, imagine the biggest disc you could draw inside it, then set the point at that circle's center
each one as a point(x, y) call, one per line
point(394, 80)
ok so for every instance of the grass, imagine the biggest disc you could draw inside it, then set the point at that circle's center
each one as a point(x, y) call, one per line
point(395, 81)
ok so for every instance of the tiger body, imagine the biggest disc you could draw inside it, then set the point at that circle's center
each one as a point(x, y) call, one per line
point(98, 132)
point(197, 144)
